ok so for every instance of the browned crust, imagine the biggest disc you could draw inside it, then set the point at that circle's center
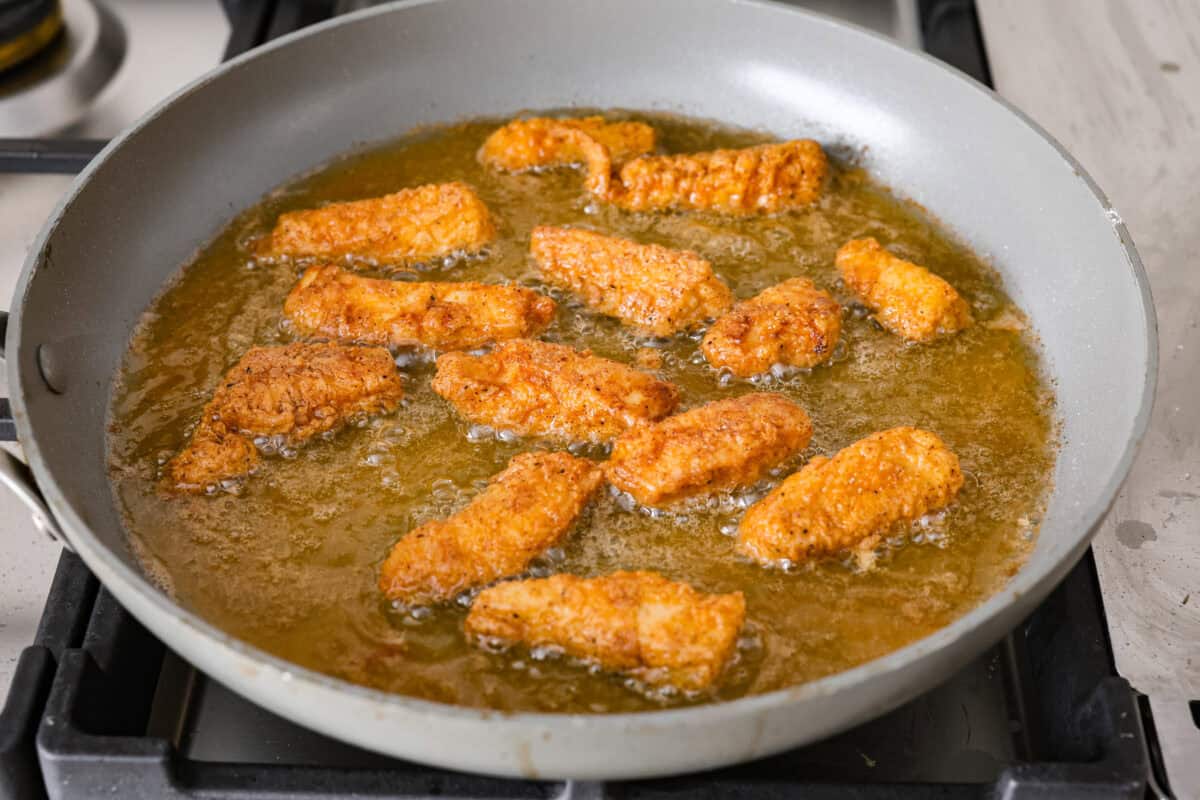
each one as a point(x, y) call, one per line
point(214, 454)
point(297, 391)
point(721, 445)
point(793, 323)
point(838, 503)
point(526, 509)
point(656, 289)
point(537, 143)
point(764, 179)
point(908, 300)
point(397, 230)
point(333, 303)
point(638, 623)
point(541, 389)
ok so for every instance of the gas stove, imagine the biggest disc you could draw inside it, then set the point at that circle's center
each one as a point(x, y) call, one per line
point(98, 707)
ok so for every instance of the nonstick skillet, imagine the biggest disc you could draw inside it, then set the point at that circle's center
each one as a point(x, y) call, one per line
point(160, 191)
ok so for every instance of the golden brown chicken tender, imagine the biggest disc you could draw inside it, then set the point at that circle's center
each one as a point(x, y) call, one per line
point(638, 623)
point(442, 316)
point(847, 501)
point(907, 299)
point(541, 389)
point(395, 231)
point(214, 454)
point(794, 323)
point(525, 510)
point(297, 391)
point(538, 143)
point(653, 288)
point(764, 179)
point(721, 445)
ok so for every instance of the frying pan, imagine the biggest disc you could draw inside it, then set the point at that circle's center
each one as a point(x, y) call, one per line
point(160, 191)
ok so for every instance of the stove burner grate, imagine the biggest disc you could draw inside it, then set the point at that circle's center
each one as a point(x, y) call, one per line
point(99, 707)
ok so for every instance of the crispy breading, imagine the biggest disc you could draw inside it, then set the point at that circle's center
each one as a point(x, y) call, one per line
point(214, 454)
point(541, 389)
point(656, 289)
point(763, 179)
point(525, 510)
point(658, 631)
point(538, 143)
point(907, 299)
point(847, 501)
point(396, 231)
point(793, 323)
point(336, 304)
point(296, 391)
point(648, 358)
point(720, 445)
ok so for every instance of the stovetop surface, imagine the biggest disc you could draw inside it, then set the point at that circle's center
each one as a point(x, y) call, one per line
point(163, 44)
point(99, 707)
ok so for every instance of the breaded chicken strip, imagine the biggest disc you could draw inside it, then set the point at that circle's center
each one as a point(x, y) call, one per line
point(442, 316)
point(538, 143)
point(721, 445)
point(907, 299)
point(764, 179)
point(396, 230)
point(541, 389)
point(524, 511)
point(794, 323)
point(637, 623)
point(297, 391)
point(834, 504)
point(655, 289)
point(214, 454)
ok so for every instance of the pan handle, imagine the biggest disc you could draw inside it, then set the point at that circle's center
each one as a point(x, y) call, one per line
point(14, 473)
point(16, 476)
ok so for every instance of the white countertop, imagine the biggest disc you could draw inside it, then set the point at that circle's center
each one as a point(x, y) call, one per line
point(1118, 83)
point(158, 60)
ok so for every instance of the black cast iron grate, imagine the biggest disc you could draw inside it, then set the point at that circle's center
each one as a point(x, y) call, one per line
point(99, 707)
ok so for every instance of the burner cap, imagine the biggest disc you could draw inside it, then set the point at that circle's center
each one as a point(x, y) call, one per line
point(26, 26)
point(55, 89)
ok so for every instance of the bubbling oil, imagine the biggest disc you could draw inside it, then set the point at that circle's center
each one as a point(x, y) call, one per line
point(290, 562)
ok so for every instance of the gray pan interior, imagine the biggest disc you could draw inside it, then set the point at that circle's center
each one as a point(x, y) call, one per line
point(163, 190)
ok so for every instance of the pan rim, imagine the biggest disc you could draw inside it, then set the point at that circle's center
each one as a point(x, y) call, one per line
point(1017, 597)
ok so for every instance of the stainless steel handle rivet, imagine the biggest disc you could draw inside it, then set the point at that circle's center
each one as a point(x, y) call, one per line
point(51, 368)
